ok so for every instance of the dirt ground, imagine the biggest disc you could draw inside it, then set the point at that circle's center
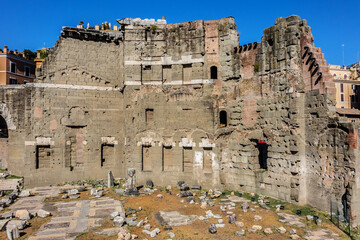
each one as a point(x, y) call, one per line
point(198, 229)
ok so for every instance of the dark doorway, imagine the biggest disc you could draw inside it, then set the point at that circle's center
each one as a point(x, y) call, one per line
point(344, 203)
point(214, 72)
point(3, 128)
point(107, 153)
point(223, 118)
point(43, 156)
point(263, 154)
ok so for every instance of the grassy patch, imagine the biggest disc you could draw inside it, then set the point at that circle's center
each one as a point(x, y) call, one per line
point(13, 177)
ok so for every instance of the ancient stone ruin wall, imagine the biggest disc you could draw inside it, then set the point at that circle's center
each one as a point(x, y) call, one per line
point(279, 106)
point(171, 118)
point(15, 104)
point(332, 157)
point(73, 125)
point(182, 102)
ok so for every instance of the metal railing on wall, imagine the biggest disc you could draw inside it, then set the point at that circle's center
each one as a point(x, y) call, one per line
point(340, 217)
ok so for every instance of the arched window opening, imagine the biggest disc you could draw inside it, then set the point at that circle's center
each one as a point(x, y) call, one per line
point(3, 128)
point(263, 154)
point(214, 72)
point(223, 118)
point(345, 76)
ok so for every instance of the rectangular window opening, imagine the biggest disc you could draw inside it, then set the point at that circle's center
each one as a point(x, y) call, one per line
point(187, 72)
point(13, 67)
point(27, 71)
point(43, 156)
point(107, 154)
point(187, 159)
point(167, 159)
point(13, 81)
point(263, 154)
point(149, 115)
point(207, 161)
point(166, 73)
point(146, 164)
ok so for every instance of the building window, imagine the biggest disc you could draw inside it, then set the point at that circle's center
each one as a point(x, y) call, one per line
point(342, 97)
point(341, 87)
point(214, 72)
point(149, 115)
point(13, 81)
point(352, 120)
point(223, 118)
point(13, 67)
point(27, 71)
point(345, 76)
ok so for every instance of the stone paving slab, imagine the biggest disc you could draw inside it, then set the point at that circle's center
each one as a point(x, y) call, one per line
point(61, 236)
point(291, 220)
point(32, 204)
point(233, 199)
point(75, 217)
point(173, 218)
point(46, 191)
point(9, 184)
point(320, 234)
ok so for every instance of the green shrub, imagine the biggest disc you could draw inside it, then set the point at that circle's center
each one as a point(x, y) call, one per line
point(256, 67)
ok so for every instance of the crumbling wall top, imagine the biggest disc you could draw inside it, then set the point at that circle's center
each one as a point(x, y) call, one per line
point(141, 22)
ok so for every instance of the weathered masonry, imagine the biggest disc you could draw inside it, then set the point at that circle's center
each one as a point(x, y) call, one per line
point(185, 101)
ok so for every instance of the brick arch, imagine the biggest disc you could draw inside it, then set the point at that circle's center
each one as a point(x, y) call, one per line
point(5, 113)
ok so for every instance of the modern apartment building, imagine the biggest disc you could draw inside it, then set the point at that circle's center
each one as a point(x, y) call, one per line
point(15, 68)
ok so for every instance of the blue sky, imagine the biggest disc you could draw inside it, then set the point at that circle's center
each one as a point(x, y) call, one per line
point(34, 24)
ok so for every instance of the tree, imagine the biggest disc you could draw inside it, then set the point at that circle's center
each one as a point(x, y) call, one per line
point(43, 53)
point(29, 54)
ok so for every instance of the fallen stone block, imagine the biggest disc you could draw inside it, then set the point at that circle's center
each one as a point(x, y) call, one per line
point(25, 193)
point(12, 232)
point(240, 233)
point(114, 215)
point(152, 233)
point(23, 214)
point(73, 191)
point(119, 221)
point(43, 214)
point(20, 224)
